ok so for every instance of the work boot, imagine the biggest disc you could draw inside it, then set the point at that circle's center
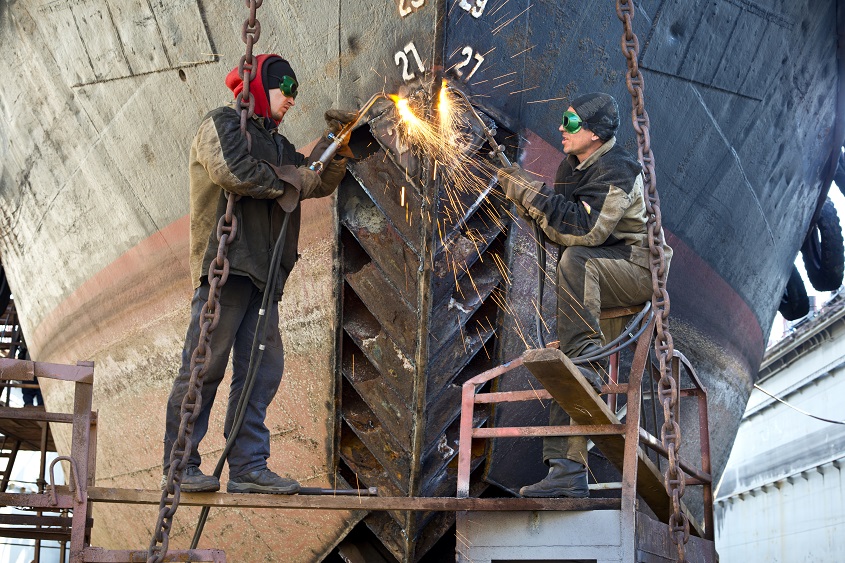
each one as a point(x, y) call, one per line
point(592, 375)
point(262, 481)
point(566, 478)
point(195, 481)
point(594, 372)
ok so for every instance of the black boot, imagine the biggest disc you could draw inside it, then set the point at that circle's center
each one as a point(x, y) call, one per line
point(597, 372)
point(566, 478)
point(262, 481)
point(195, 481)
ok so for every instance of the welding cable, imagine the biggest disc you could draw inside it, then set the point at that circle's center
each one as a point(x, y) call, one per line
point(541, 282)
point(793, 407)
point(255, 356)
point(611, 347)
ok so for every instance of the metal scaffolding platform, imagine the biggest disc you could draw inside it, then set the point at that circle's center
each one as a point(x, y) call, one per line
point(603, 529)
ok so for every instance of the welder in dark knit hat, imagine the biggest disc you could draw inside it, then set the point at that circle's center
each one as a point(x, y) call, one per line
point(272, 178)
point(596, 213)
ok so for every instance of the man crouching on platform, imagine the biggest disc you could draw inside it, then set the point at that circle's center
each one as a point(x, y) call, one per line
point(596, 213)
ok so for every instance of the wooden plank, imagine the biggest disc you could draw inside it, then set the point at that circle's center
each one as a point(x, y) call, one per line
point(564, 381)
point(329, 502)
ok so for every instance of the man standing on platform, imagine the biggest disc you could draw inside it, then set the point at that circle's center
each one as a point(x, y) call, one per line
point(268, 176)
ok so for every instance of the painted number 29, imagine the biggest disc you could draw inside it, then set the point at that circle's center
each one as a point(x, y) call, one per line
point(408, 6)
point(467, 52)
point(401, 58)
point(476, 8)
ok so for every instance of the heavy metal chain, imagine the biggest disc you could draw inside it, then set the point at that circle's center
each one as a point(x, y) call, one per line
point(670, 432)
point(218, 273)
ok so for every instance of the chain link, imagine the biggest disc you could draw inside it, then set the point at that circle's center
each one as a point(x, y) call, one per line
point(670, 432)
point(218, 273)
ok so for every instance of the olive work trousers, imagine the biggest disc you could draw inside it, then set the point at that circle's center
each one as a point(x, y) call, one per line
point(240, 303)
point(589, 279)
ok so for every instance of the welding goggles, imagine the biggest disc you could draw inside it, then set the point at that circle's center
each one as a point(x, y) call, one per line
point(571, 122)
point(288, 86)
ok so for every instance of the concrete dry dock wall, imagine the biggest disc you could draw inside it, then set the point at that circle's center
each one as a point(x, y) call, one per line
point(782, 496)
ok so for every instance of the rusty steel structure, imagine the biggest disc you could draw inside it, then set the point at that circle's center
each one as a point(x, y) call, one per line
point(64, 513)
point(619, 442)
point(421, 286)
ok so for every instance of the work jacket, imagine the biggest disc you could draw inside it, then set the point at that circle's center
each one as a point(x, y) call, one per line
point(597, 202)
point(219, 163)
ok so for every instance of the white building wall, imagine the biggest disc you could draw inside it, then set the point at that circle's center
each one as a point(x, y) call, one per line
point(782, 495)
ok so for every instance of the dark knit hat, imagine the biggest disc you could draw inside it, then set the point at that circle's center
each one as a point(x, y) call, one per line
point(277, 68)
point(598, 110)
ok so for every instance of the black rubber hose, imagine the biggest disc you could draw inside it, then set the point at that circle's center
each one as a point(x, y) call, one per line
point(611, 347)
point(823, 251)
point(255, 356)
point(794, 304)
point(541, 282)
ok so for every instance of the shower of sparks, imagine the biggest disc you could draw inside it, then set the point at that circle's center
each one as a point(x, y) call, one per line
point(472, 212)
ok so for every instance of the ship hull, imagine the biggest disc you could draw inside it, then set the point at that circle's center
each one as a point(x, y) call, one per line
point(100, 102)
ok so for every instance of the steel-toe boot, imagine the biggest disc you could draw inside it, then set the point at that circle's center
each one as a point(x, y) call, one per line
point(262, 481)
point(195, 481)
point(566, 478)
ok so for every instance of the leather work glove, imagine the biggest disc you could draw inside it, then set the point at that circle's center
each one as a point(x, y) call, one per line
point(330, 178)
point(300, 183)
point(337, 119)
point(519, 187)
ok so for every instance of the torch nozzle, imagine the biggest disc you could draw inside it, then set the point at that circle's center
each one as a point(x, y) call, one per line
point(338, 139)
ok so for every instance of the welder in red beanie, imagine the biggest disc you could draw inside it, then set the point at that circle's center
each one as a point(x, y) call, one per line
point(272, 178)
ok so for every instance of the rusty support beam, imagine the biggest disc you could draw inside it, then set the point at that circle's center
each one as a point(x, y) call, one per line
point(653, 443)
point(81, 456)
point(28, 520)
point(44, 501)
point(10, 463)
point(100, 555)
point(704, 442)
point(327, 502)
point(25, 370)
point(532, 431)
point(631, 450)
point(34, 414)
point(512, 396)
point(35, 534)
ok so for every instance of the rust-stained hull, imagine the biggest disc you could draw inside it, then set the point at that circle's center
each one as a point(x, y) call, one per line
point(100, 101)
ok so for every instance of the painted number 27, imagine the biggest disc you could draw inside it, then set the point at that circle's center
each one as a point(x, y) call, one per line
point(401, 58)
point(476, 8)
point(467, 52)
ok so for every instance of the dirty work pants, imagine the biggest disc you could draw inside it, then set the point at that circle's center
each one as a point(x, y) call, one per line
point(589, 279)
point(240, 302)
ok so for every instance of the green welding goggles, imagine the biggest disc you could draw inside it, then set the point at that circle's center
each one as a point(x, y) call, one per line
point(288, 86)
point(571, 122)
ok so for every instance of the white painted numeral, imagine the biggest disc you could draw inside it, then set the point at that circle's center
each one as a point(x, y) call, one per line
point(476, 8)
point(408, 6)
point(467, 52)
point(401, 58)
